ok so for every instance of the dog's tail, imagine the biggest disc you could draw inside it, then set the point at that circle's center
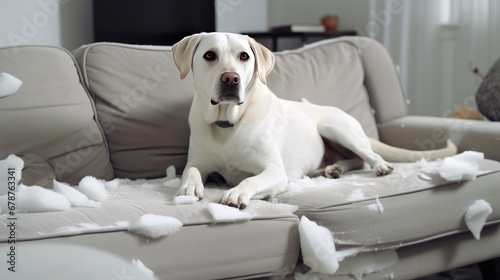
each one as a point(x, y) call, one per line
point(394, 154)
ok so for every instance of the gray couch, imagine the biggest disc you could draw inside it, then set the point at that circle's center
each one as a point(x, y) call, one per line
point(120, 111)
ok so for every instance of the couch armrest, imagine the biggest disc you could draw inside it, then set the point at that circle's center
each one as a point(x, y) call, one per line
point(426, 133)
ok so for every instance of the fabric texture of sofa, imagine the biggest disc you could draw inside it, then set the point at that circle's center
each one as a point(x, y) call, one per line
point(113, 110)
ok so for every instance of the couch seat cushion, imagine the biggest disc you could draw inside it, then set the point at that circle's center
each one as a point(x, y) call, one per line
point(406, 207)
point(201, 249)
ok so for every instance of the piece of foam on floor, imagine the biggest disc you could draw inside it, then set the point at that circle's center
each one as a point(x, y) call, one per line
point(318, 249)
point(476, 216)
point(155, 226)
point(227, 214)
point(8, 84)
point(17, 165)
point(37, 199)
point(74, 197)
point(364, 264)
point(185, 199)
point(93, 188)
point(464, 166)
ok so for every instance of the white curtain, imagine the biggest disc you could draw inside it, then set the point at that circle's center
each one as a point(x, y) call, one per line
point(432, 42)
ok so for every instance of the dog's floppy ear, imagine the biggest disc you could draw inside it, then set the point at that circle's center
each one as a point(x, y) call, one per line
point(183, 52)
point(264, 59)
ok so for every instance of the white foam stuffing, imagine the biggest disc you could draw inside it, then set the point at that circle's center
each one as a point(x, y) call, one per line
point(173, 184)
point(12, 161)
point(356, 194)
point(171, 181)
point(376, 207)
point(79, 228)
point(141, 267)
point(155, 226)
point(388, 276)
point(93, 188)
point(185, 199)
point(8, 84)
point(318, 249)
point(464, 166)
point(364, 264)
point(227, 214)
point(171, 173)
point(425, 177)
point(75, 197)
point(476, 216)
point(113, 184)
point(37, 199)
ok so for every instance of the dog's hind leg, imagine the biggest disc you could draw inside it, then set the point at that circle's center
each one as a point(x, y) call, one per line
point(336, 170)
point(347, 131)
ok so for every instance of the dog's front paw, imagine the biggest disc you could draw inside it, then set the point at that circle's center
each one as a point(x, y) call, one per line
point(191, 190)
point(235, 198)
point(383, 168)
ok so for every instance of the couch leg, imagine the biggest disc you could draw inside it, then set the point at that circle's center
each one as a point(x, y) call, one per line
point(490, 269)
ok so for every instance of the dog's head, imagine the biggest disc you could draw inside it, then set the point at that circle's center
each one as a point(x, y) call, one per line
point(223, 65)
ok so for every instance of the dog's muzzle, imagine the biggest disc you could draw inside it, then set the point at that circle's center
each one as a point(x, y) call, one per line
point(229, 89)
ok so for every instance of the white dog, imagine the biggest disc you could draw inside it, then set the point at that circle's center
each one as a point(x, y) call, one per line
point(257, 141)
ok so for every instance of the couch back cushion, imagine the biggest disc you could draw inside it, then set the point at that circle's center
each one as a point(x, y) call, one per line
point(51, 115)
point(142, 106)
point(329, 73)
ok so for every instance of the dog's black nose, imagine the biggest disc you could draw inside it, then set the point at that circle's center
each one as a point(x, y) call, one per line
point(230, 78)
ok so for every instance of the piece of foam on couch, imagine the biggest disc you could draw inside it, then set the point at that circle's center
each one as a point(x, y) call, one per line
point(17, 165)
point(173, 184)
point(155, 226)
point(74, 197)
point(171, 181)
point(356, 194)
point(226, 214)
point(171, 174)
point(141, 267)
point(185, 199)
point(464, 166)
point(93, 188)
point(364, 264)
point(318, 249)
point(8, 84)
point(377, 206)
point(36, 199)
point(476, 215)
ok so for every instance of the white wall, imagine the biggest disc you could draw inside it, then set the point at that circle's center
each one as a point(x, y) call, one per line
point(241, 16)
point(66, 23)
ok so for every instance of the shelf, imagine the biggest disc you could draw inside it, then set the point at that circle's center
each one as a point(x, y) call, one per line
point(302, 35)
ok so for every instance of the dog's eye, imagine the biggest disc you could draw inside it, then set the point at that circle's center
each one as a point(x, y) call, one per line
point(210, 56)
point(244, 56)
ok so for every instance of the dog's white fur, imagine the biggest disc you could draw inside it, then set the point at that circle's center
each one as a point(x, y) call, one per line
point(255, 140)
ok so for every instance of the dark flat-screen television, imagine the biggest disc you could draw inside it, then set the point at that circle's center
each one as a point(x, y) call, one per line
point(151, 22)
